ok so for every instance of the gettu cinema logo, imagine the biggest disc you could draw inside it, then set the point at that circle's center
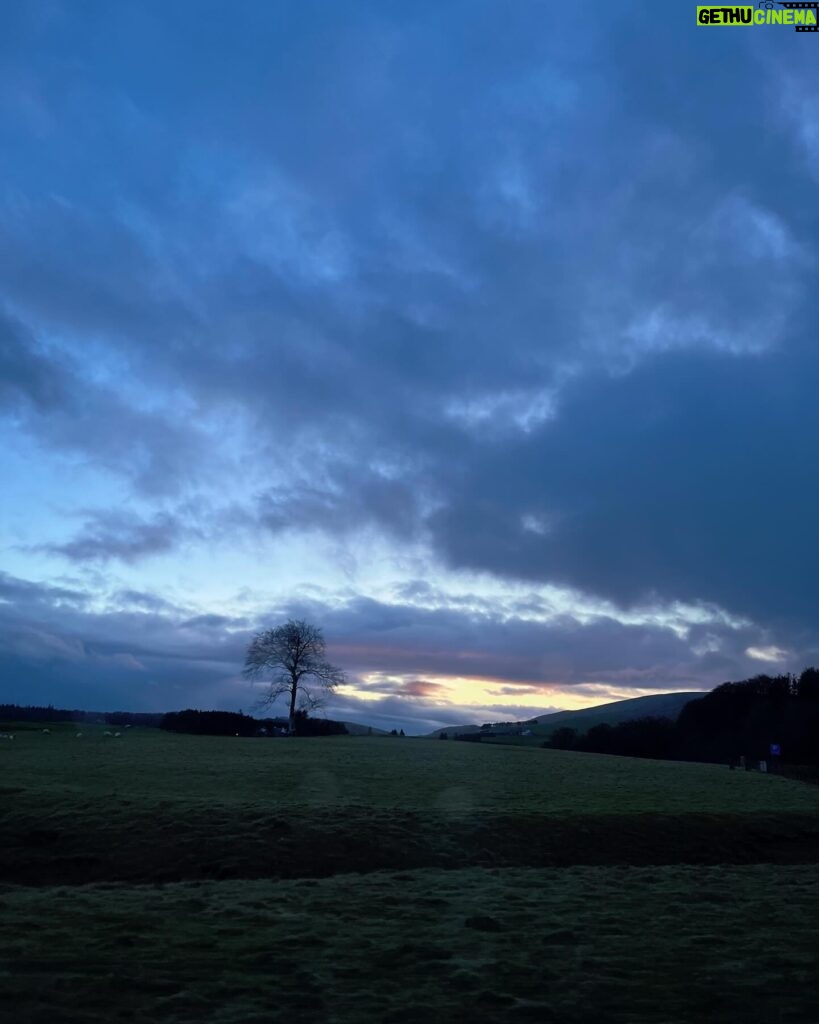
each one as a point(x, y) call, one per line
point(803, 16)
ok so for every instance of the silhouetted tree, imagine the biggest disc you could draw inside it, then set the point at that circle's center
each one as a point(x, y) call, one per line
point(293, 656)
point(307, 726)
point(15, 712)
point(209, 723)
point(747, 717)
point(563, 738)
point(807, 688)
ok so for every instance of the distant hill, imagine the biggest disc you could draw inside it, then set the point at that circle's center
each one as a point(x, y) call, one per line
point(357, 729)
point(659, 705)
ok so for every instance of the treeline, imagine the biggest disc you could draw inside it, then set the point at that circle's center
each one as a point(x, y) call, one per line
point(233, 723)
point(31, 713)
point(201, 723)
point(745, 719)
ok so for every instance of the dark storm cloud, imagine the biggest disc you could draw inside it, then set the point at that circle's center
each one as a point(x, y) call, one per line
point(689, 478)
point(54, 396)
point(29, 594)
point(122, 535)
point(470, 235)
point(208, 622)
point(540, 293)
point(143, 601)
point(138, 652)
point(343, 502)
point(26, 374)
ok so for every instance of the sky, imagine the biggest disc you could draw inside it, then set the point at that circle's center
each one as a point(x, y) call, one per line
point(481, 335)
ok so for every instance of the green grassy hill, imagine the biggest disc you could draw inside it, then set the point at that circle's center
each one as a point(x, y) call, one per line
point(660, 705)
point(357, 729)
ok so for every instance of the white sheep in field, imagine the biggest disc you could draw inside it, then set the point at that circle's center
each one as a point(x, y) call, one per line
point(46, 732)
point(116, 734)
point(107, 733)
point(78, 735)
point(6, 736)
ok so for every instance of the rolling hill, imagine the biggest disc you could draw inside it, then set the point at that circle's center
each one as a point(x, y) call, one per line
point(659, 705)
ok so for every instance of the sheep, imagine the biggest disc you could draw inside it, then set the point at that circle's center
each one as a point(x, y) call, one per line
point(46, 732)
point(107, 733)
point(78, 735)
point(117, 734)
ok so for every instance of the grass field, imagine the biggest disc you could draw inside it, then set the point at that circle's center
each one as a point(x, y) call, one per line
point(160, 877)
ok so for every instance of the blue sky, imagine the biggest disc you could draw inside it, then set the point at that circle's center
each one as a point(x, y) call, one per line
point(482, 335)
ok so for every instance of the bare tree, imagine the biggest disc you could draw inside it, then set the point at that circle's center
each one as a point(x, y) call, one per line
point(293, 656)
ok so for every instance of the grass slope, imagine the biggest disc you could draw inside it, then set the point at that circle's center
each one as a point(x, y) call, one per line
point(182, 879)
point(622, 945)
point(659, 705)
point(154, 806)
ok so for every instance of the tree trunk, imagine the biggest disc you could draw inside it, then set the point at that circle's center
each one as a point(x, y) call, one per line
point(291, 728)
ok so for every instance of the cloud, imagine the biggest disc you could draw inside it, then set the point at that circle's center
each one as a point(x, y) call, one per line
point(53, 396)
point(348, 500)
point(682, 480)
point(27, 593)
point(417, 668)
point(59, 646)
point(401, 652)
point(540, 313)
point(423, 688)
point(122, 535)
point(774, 655)
point(26, 374)
point(138, 599)
point(374, 683)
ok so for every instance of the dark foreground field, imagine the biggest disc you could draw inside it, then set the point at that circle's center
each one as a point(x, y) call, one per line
point(165, 878)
